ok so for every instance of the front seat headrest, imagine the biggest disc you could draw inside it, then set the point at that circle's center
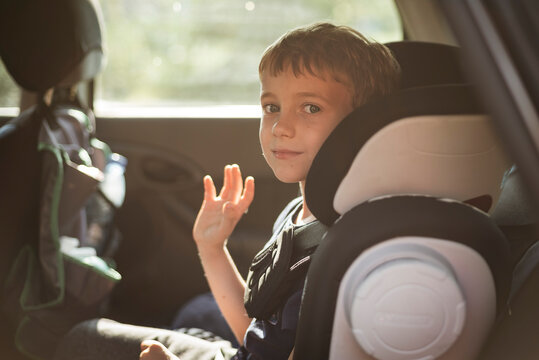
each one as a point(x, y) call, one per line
point(45, 44)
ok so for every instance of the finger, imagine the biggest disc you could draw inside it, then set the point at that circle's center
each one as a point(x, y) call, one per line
point(209, 188)
point(236, 183)
point(248, 194)
point(146, 344)
point(225, 190)
point(144, 354)
point(152, 349)
point(232, 214)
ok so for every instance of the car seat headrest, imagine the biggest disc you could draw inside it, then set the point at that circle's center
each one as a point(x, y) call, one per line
point(450, 156)
point(45, 44)
point(427, 138)
point(427, 64)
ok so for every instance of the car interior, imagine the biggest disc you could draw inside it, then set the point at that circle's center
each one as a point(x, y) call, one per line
point(429, 194)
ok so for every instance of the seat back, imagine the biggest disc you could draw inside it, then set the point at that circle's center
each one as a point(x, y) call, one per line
point(515, 333)
point(53, 170)
point(410, 178)
point(45, 45)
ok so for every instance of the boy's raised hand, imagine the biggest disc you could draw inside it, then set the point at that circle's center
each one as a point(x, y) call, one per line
point(219, 215)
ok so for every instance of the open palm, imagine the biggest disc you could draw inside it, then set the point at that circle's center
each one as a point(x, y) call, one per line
point(219, 215)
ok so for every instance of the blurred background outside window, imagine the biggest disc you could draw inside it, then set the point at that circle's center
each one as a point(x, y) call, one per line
point(199, 53)
point(9, 92)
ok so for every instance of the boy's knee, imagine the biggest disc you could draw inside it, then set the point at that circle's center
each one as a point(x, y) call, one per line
point(73, 343)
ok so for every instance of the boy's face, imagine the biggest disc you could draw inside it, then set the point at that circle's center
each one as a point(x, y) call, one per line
point(298, 114)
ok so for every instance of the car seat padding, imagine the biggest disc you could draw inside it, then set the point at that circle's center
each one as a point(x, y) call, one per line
point(375, 221)
point(337, 153)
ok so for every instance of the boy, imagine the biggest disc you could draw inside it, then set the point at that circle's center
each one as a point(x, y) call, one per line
point(311, 78)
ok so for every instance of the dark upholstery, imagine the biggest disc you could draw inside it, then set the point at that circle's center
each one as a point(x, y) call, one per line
point(515, 333)
point(43, 42)
point(427, 64)
point(19, 194)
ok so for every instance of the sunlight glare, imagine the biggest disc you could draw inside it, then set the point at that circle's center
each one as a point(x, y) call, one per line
point(249, 6)
point(177, 6)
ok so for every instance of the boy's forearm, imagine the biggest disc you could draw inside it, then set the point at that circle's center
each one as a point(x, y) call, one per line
point(227, 286)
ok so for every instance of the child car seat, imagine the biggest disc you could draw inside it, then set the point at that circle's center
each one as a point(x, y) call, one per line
point(52, 170)
point(412, 266)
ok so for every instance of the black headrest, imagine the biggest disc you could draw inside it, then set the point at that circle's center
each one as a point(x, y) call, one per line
point(336, 155)
point(393, 144)
point(44, 44)
point(427, 64)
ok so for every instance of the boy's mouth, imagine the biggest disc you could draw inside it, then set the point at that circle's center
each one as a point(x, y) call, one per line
point(284, 154)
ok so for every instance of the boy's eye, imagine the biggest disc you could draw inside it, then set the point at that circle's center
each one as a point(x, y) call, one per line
point(271, 108)
point(311, 109)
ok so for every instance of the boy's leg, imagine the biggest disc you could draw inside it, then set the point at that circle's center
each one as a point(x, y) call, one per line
point(105, 339)
point(202, 312)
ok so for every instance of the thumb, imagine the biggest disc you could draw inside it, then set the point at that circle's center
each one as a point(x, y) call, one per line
point(148, 343)
point(145, 344)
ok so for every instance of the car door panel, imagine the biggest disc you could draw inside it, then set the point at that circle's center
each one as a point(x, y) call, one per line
point(167, 159)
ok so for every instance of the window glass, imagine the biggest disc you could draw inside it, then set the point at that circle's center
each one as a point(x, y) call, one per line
point(206, 52)
point(9, 91)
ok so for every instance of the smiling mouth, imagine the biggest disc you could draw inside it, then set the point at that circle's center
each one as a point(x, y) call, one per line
point(285, 154)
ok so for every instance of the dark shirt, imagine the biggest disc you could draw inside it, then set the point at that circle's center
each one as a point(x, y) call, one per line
point(274, 339)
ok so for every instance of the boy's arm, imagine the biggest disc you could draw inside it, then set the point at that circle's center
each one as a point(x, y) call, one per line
point(215, 222)
point(227, 286)
point(291, 356)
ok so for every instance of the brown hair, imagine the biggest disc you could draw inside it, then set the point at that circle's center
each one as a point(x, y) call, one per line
point(366, 66)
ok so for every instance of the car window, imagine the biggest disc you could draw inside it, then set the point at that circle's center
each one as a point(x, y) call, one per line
point(198, 53)
point(9, 92)
point(185, 54)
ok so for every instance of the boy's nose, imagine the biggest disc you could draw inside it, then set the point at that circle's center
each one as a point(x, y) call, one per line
point(284, 127)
